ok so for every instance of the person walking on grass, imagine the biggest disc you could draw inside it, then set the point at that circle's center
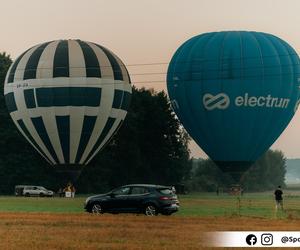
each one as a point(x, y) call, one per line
point(278, 198)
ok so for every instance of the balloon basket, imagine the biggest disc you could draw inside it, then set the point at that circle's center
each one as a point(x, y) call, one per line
point(67, 174)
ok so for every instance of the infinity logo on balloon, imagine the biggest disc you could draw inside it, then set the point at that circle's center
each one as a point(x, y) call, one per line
point(219, 101)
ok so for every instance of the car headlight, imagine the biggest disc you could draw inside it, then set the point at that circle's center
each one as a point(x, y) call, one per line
point(87, 200)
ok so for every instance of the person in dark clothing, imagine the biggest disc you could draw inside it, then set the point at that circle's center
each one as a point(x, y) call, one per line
point(278, 198)
point(60, 192)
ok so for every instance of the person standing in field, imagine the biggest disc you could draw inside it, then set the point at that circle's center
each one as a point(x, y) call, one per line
point(278, 198)
point(60, 192)
point(67, 191)
point(73, 190)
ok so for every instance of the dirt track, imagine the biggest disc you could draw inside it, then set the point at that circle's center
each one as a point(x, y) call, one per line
point(83, 231)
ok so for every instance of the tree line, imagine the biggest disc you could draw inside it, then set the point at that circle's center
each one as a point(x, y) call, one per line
point(267, 173)
point(150, 147)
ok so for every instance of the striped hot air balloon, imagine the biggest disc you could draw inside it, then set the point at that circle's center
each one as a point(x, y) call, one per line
point(67, 97)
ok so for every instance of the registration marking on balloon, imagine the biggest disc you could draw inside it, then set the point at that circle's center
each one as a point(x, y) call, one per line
point(22, 85)
point(222, 101)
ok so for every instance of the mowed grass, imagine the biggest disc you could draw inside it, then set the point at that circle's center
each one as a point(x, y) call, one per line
point(260, 205)
point(202, 204)
point(255, 205)
point(41, 204)
point(61, 223)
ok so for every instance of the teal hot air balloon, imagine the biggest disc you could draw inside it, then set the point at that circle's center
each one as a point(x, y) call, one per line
point(234, 92)
point(68, 97)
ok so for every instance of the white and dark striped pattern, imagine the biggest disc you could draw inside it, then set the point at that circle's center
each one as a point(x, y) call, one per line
point(68, 98)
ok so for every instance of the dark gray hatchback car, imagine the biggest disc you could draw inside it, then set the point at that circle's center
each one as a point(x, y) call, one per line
point(135, 198)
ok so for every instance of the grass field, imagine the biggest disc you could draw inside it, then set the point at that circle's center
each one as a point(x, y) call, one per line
point(203, 204)
point(60, 223)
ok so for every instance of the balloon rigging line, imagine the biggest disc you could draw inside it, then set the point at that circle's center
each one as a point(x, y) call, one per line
point(242, 77)
point(224, 68)
point(221, 59)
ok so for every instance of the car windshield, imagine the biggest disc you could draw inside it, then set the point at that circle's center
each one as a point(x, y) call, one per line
point(166, 191)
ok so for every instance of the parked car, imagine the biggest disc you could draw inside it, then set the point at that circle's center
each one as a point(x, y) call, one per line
point(135, 198)
point(19, 190)
point(33, 191)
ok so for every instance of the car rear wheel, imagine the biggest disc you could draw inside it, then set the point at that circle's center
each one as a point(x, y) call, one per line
point(150, 210)
point(97, 209)
point(41, 195)
point(27, 194)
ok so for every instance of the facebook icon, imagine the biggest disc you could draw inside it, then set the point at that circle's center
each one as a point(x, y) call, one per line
point(251, 239)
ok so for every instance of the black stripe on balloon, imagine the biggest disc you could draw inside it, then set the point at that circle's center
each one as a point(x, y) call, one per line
point(126, 101)
point(61, 60)
point(29, 98)
point(68, 96)
point(118, 97)
point(33, 61)
point(92, 65)
point(115, 131)
point(121, 100)
point(10, 102)
point(42, 132)
point(109, 123)
point(129, 80)
point(86, 132)
point(114, 63)
point(30, 138)
point(14, 67)
point(63, 128)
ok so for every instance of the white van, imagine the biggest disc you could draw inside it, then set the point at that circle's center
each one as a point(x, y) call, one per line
point(37, 191)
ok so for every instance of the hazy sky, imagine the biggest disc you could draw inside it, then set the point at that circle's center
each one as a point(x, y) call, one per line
point(145, 32)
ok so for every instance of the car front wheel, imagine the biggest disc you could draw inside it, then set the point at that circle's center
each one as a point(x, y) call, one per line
point(97, 209)
point(150, 210)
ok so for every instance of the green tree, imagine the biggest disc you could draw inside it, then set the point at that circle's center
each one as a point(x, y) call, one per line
point(208, 177)
point(19, 162)
point(5, 62)
point(266, 173)
point(151, 147)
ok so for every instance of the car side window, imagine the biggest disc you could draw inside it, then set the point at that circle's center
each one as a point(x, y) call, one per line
point(122, 191)
point(166, 191)
point(138, 190)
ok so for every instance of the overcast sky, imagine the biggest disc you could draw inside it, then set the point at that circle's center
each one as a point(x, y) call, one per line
point(146, 32)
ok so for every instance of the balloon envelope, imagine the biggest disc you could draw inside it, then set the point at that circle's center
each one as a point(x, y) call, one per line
point(67, 97)
point(234, 92)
